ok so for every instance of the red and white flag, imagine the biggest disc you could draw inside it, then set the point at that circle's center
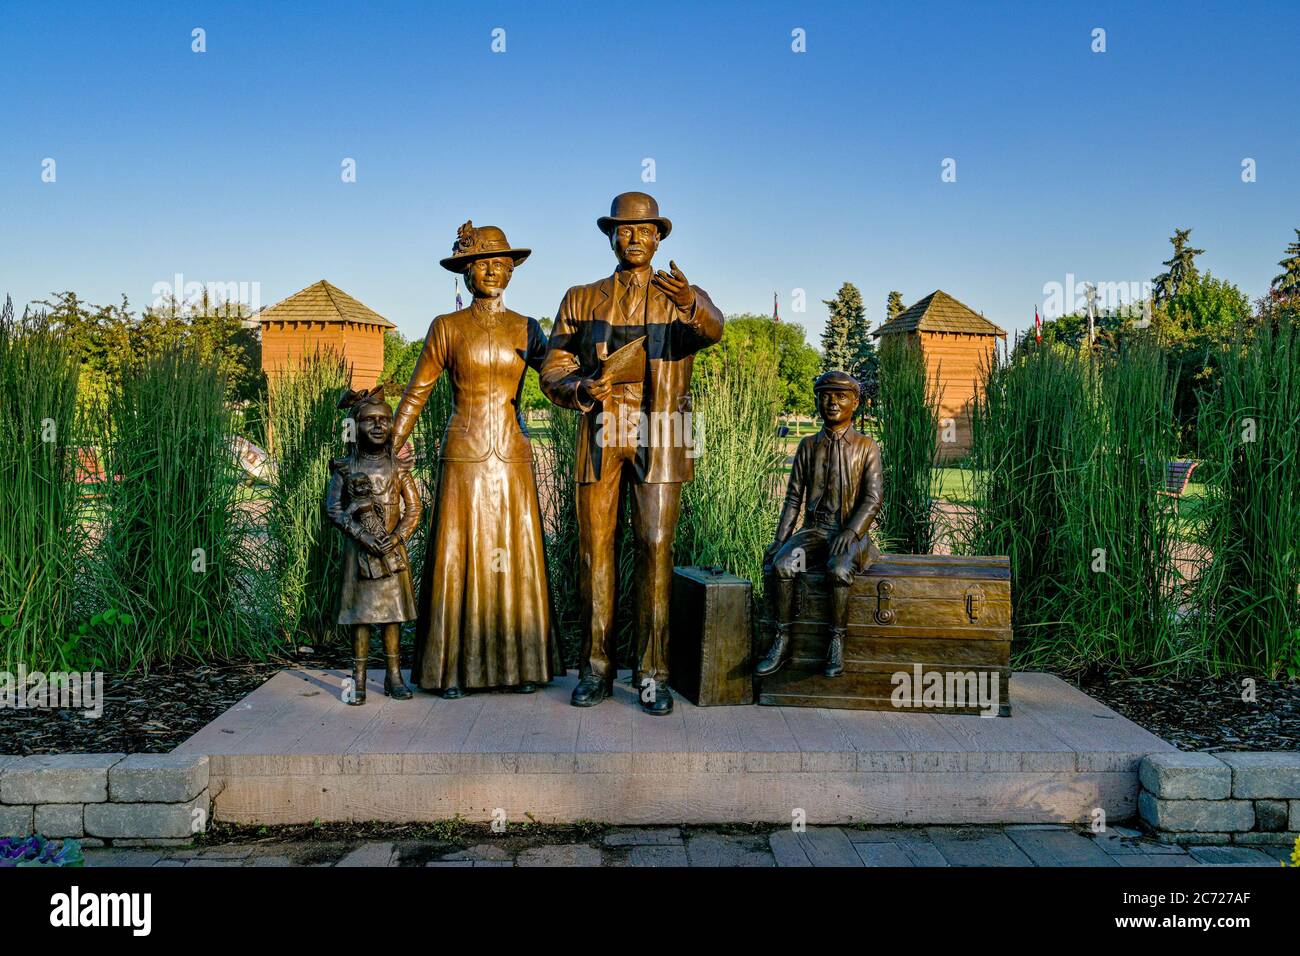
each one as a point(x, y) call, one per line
point(1038, 326)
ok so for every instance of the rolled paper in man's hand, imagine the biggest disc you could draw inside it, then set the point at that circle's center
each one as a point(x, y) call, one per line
point(625, 366)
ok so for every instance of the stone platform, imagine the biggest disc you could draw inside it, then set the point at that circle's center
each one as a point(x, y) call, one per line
point(292, 752)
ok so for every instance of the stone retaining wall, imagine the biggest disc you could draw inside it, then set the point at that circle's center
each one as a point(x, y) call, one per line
point(1245, 798)
point(160, 799)
point(142, 799)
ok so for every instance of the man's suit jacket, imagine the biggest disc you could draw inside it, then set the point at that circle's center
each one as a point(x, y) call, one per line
point(861, 497)
point(580, 341)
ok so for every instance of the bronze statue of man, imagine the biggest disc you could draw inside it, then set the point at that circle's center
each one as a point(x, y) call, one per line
point(660, 312)
point(837, 481)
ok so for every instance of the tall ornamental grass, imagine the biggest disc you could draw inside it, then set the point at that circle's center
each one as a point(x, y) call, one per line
point(41, 532)
point(553, 470)
point(426, 446)
point(1118, 591)
point(304, 552)
point(1028, 404)
point(908, 411)
point(175, 553)
point(1067, 461)
point(1250, 435)
point(729, 512)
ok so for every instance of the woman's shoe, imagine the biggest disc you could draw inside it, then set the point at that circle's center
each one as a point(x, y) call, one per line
point(452, 693)
point(527, 687)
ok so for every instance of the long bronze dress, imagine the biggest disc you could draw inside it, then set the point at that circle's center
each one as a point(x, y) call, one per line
point(484, 609)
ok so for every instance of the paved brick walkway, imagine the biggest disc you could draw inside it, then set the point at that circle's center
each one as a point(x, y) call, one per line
point(714, 846)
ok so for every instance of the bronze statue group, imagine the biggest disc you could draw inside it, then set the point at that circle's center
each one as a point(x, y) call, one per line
point(483, 615)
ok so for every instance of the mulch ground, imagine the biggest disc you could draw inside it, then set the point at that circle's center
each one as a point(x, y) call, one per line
point(155, 713)
point(148, 713)
point(1208, 713)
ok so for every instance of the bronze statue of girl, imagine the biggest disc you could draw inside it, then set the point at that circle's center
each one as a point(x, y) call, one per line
point(374, 502)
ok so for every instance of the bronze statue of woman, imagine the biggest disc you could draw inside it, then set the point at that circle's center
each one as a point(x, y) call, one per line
point(484, 616)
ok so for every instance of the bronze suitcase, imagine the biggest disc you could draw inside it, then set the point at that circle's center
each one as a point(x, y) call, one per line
point(710, 656)
point(932, 618)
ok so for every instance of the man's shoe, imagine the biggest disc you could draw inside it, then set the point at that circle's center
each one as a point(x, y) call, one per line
point(777, 654)
point(527, 687)
point(662, 705)
point(835, 655)
point(591, 690)
point(452, 693)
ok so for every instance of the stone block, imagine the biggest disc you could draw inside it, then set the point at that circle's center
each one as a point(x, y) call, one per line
point(59, 820)
point(1186, 776)
point(1295, 814)
point(171, 821)
point(1270, 815)
point(57, 778)
point(369, 855)
point(662, 836)
point(1258, 838)
point(15, 821)
point(158, 778)
point(1202, 816)
point(1231, 856)
point(1268, 775)
point(571, 854)
point(1193, 839)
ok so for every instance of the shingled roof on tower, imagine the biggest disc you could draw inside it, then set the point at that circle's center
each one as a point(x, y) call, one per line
point(322, 302)
point(940, 312)
point(320, 318)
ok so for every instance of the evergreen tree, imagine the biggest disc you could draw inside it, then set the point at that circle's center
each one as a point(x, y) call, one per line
point(1182, 267)
point(836, 351)
point(1288, 283)
point(846, 343)
point(894, 306)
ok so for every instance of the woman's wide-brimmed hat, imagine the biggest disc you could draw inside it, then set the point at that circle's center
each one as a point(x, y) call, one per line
point(634, 207)
point(480, 242)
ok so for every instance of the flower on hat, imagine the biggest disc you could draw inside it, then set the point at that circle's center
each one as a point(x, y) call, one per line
point(466, 239)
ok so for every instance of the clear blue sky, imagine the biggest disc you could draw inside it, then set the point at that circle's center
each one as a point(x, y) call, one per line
point(780, 170)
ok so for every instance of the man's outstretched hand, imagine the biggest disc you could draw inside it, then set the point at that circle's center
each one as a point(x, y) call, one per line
point(675, 286)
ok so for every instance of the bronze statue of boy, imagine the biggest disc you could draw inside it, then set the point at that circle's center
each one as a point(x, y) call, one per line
point(837, 479)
